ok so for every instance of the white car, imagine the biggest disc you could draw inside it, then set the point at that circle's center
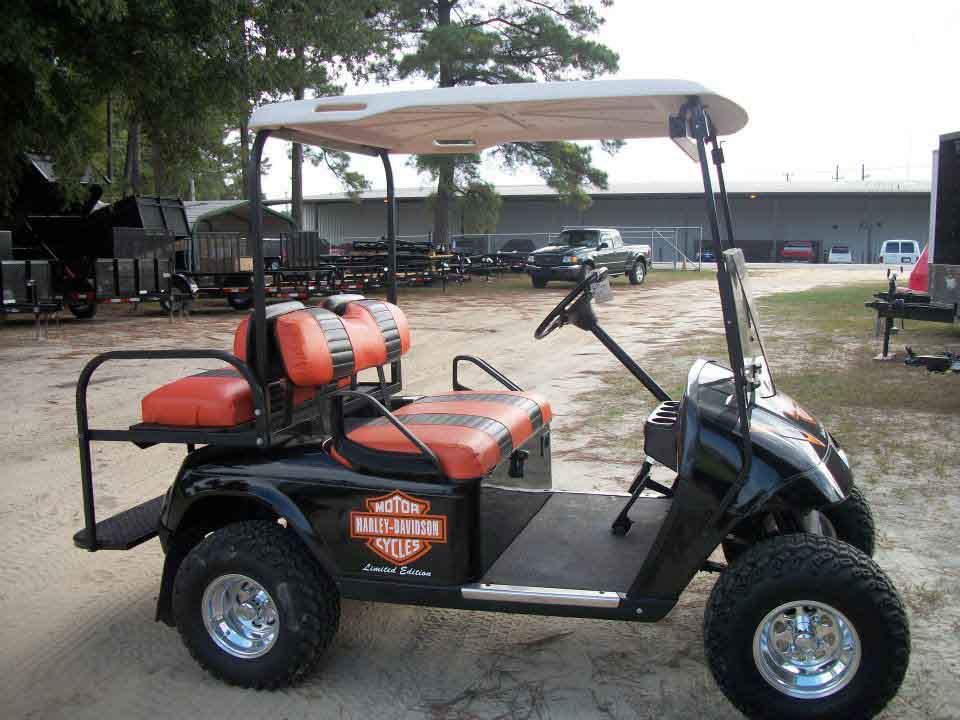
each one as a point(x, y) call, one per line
point(899, 252)
point(840, 254)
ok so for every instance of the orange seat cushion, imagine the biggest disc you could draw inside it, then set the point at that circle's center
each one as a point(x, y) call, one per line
point(219, 398)
point(470, 432)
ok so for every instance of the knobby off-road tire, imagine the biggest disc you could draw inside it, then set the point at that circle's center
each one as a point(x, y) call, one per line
point(638, 273)
point(814, 569)
point(853, 521)
point(306, 602)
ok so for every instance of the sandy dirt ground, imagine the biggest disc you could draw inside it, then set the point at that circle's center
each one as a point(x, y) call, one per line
point(79, 640)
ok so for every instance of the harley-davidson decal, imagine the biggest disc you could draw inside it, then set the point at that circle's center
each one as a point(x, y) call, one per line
point(398, 527)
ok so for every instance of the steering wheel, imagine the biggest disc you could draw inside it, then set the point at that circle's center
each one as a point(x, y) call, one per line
point(558, 316)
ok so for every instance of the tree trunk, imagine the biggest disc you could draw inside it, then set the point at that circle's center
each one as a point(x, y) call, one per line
point(296, 160)
point(441, 208)
point(244, 155)
point(159, 169)
point(131, 165)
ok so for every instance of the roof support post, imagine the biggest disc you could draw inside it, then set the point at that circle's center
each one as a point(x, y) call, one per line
point(255, 237)
point(391, 229)
point(698, 122)
point(700, 125)
point(717, 154)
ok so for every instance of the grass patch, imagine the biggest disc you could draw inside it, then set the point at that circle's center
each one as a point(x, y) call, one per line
point(894, 420)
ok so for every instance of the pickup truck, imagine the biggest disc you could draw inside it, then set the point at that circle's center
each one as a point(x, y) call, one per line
point(577, 250)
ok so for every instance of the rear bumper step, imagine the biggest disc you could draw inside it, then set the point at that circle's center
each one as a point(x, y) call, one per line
point(125, 530)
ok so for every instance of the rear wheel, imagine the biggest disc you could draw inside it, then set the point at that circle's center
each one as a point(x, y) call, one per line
point(253, 607)
point(803, 626)
point(84, 311)
point(240, 302)
point(638, 273)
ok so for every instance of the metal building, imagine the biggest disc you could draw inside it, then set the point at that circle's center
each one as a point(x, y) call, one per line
point(858, 214)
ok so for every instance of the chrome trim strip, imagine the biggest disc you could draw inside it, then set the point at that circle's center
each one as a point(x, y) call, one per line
point(541, 596)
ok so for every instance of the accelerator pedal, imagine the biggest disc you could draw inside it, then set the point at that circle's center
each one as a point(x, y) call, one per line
point(643, 481)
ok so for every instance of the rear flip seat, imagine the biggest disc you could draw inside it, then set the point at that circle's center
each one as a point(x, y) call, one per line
point(314, 348)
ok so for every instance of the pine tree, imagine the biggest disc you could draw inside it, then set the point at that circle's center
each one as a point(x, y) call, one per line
point(471, 42)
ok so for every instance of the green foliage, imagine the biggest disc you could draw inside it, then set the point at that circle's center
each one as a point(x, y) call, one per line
point(186, 73)
point(338, 163)
point(475, 201)
point(469, 42)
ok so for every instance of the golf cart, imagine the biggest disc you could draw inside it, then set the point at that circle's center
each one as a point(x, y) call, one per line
point(314, 484)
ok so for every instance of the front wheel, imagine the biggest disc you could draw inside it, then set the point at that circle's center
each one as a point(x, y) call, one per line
point(253, 607)
point(804, 626)
point(638, 273)
point(852, 521)
point(538, 282)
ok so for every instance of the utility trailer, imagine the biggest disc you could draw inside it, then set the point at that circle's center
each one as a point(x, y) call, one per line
point(26, 288)
point(933, 293)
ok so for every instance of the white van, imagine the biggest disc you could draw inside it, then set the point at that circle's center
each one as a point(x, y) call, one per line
point(899, 252)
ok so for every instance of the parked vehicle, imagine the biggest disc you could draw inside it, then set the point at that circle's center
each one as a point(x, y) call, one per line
point(580, 250)
point(314, 486)
point(798, 251)
point(899, 252)
point(514, 254)
point(707, 255)
point(840, 254)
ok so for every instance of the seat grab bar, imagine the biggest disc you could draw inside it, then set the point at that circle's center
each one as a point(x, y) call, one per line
point(486, 367)
point(417, 442)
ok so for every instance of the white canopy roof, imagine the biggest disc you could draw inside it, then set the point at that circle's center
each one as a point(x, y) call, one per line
point(470, 119)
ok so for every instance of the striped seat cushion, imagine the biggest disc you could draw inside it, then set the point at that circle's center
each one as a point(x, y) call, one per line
point(470, 432)
point(320, 347)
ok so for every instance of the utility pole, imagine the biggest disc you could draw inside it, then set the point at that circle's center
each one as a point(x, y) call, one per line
point(863, 172)
point(836, 174)
point(787, 175)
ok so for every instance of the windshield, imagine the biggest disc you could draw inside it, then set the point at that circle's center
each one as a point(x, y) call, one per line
point(755, 367)
point(579, 238)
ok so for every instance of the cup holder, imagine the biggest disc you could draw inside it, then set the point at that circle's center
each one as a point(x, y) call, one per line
point(660, 433)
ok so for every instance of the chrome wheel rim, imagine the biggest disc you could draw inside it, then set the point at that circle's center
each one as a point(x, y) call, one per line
point(638, 271)
point(807, 649)
point(240, 616)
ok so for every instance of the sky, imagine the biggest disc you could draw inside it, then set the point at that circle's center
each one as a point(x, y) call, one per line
point(847, 82)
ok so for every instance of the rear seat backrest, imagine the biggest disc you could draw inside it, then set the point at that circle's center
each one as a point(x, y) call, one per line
point(244, 341)
point(320, 347)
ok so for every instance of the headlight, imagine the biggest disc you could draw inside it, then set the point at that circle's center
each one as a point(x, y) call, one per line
point(531, 258)
point(570, 258)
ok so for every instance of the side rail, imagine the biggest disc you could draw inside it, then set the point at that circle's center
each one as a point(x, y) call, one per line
point(392, 419)
point(257, 436)
point(486, 367)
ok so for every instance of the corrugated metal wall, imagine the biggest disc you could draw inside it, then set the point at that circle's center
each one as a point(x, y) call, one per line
point(763, 223)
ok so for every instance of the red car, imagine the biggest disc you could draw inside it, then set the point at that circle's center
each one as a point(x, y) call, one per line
point(798, 251)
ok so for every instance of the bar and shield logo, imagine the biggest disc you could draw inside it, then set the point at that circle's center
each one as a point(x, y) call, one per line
point(398, 527)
